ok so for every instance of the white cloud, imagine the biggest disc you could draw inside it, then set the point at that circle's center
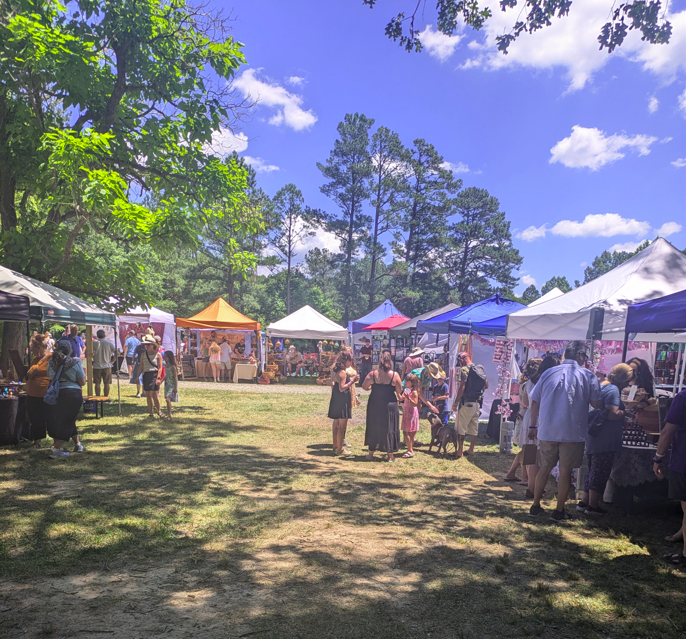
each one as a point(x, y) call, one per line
point(224, 141)
point(653, 104)
point(532, 233)
point(527, 280)
point(570, 43)
point(682, 103)
point(600, 225)
point(583, 264)
point(460, 167)
point(592, 148)
point(260, 165)
point(679, 163)
point(288, 105)
point(295, 80)
point(666, 140)
point(668, 228)
point(437, 44)
point(627, 247)
point(323, 240)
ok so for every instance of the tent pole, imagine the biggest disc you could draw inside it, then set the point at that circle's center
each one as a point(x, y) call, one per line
point(625, 347)
point(28, 345)
point(89, 359)
point(676, 370)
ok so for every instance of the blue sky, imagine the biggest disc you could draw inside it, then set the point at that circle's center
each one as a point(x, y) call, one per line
point(585, 151)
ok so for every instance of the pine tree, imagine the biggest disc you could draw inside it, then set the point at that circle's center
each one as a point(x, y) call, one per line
point(480, 255)
point(348, 170)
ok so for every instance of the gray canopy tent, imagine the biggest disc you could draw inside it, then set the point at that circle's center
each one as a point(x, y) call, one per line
point(49, 303)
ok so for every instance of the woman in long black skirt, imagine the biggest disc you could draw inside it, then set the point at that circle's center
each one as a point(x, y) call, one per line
point(340, 406)
point(383, 415)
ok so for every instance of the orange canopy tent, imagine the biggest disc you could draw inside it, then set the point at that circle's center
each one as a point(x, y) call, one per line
point(220, 315)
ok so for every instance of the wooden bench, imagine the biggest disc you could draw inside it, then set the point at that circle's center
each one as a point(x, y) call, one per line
point(100, 402)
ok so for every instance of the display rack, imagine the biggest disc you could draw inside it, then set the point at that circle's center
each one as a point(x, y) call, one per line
point(666, 364)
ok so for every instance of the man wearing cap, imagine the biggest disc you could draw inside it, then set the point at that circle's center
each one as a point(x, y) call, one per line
point(412, 362)
point(559, 419)
point(468, 399)
point(365, 360)
point(130, 346)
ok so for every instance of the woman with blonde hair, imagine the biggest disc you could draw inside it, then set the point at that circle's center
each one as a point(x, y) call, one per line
point(340, 405)
point(216, 360)
point(526, 385)
point(601, 447)
point(37, 386)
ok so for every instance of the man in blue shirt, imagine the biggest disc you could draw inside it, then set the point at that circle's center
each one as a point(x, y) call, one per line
point(559, 418)
point(77, 346)
point(130, 346)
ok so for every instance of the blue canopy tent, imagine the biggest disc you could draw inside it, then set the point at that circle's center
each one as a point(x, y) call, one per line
point(662, 315)
point(488, 317)
point(439, 323)
point(380, 313)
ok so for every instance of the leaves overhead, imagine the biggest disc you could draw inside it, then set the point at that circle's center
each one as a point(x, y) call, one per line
point(647, 16)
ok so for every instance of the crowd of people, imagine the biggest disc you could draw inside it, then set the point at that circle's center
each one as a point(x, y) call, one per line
point(57, 369)
point(566, 412)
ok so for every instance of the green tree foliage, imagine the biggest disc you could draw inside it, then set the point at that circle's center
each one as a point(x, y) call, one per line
point(530, 294)
point(419, 244)
point(647, 16)
point(387, 185)
point(480, 255)
point(559, 282)
point(347, 170)
point(107, 108)
point(292, 224)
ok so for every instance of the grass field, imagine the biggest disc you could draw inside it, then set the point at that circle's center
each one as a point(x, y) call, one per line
point(234, 520)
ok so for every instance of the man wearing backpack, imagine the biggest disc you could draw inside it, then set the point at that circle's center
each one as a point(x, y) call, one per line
point(472, 383)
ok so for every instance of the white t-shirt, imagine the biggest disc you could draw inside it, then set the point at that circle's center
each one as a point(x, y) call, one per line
point(226, 352)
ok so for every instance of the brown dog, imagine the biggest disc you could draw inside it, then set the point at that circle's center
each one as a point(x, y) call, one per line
point(447, 435)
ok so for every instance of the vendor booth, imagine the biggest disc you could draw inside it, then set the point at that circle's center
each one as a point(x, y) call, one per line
point(598, 310)
point(48, 303)
point(220, 323)
point(139, 318)
point(379, 334)
point(304, 324)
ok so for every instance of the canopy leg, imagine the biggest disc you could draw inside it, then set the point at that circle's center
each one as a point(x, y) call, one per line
point(625, 347)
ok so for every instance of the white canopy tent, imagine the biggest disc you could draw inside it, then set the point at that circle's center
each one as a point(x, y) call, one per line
point(550, 295)
point(150, 315)
point(306, 323)
point(598, 310)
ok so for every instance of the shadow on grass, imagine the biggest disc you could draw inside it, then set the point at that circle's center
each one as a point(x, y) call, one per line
point(454, 558)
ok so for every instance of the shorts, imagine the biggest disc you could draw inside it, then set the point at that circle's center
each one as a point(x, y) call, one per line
point(468, 419)
point(103, 375)
point(677, 485)
point(225, 366)
point(150, 381)
point(443, 416)
point(569, 454)
point(129, 361)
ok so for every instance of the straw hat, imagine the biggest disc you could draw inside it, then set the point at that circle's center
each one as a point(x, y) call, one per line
point(149, 339)
point(435, 371)
point(417, 351)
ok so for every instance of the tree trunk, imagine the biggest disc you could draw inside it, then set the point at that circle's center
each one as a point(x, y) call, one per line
point(375, 241)
point(288, 287)
point(349, 261)
point(13, 338)
point(8, 185)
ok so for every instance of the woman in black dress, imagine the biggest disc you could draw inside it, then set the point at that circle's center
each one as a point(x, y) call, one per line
point(383, 415)
point(340, 406)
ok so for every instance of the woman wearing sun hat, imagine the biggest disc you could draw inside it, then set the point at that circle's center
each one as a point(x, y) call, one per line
point(412, 361)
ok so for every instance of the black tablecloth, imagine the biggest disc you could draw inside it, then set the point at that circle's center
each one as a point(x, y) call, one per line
point(493, 430)
point(12, 419)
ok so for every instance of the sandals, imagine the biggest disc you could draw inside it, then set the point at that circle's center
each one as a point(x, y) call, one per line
point(408, 454)
point(677, 560)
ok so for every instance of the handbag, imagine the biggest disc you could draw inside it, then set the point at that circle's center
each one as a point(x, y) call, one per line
point(53, 391)
point(529, 454)
point(124, 368)
point(596, 419)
